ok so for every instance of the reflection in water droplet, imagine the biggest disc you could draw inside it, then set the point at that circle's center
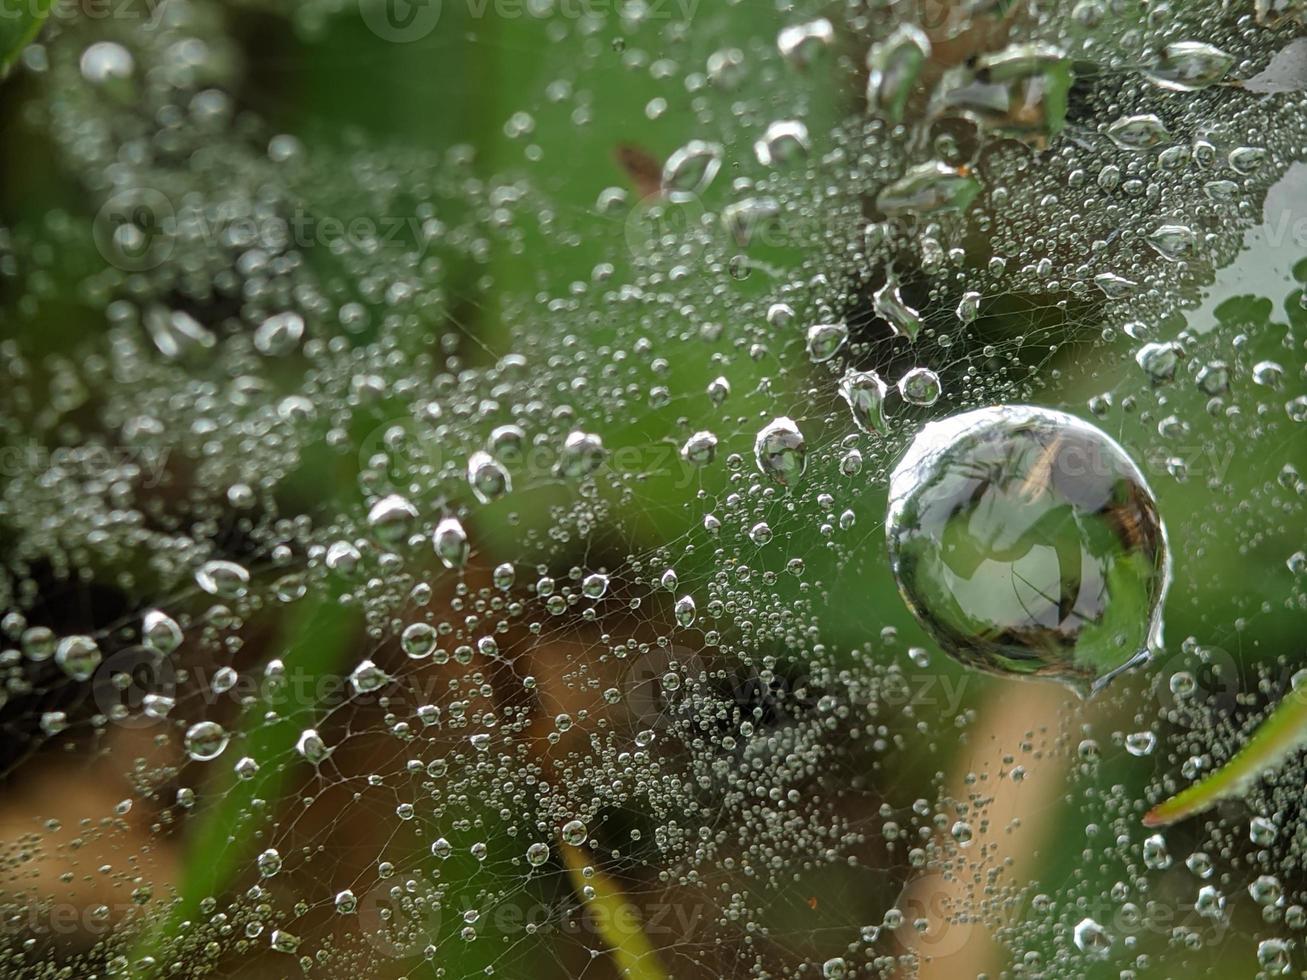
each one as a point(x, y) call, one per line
point(892, 68)
point(450, 543)
point(785, 141)
point(1138, 132)
point(692, 168)
point(781, 452)
point(700, 448)
point(487, 477)
point(889, 306)
point(825, 340)
point(920, 386)
point(1187, 66)
point(865, 393)
point(929, 188)
point(78, 656)
point(1028, 544)
point(205, 741)
point(801, 44)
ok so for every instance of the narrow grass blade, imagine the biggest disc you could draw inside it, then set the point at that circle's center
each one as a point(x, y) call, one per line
point(616, 918)
point(20, 22)
point(1283, 731)
point(314, 646)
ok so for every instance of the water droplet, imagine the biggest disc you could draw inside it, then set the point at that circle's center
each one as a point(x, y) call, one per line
point(418, 640)
point(825, 340)
point(368, 677)
point(1053, 509)
point(504, 576)
point(1092, 938)
point(342, 557)
point(1187, 66)
point(889, 306)
point(160, 632)
point(892, 68)
point(223, 578)
point(392, 517)
point(1143, 132)
point(594, 585)
point(269, 862)
point(450, 543)
point(1209, 903)
point(1140, 743)
point(1159, 360)
point(781, 452)
point(177, 334)
point(929, 188)
point(205, 741)
point(574, 833)
point(105, 61)
point(78, 656)
point(700, 448)
point(1273, 956)
point(1156, 855)
point(1173, 242)
point(920, 386)
point(39, 643)
point(785, 141)
point(1114, 286)
point(1262, 831)
point(864, 391)
point(487, 477)
point(311, 747)
point(801, 44)
point(278, 335)
point(1020, 92)
point(283, 941)
point(968, 307)
point(582, 454)
point(690, 169)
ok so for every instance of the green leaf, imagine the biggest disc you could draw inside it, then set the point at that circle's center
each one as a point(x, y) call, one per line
point(20, 22)
point(1276, 738)
point(316, 640)
point(616, 919)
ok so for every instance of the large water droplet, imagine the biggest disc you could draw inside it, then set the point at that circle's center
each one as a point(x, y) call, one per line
point(205, 741)
point(801, 44)
point(160, 632)
point(1028, 544)
point(450, 543)
point(1187, 66)
point(889, 306)
point(278, 335)
point(692, 168)
point(929, 188)
point(1138, 132)
point(892, 68)
point(1019, 92)
point(865, 393)
point(392, 517)
point(780, 451)
point(825, 340)
point(78, 656)
point(487, 477)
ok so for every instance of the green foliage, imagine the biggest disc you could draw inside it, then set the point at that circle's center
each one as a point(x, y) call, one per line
point(20, 22)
